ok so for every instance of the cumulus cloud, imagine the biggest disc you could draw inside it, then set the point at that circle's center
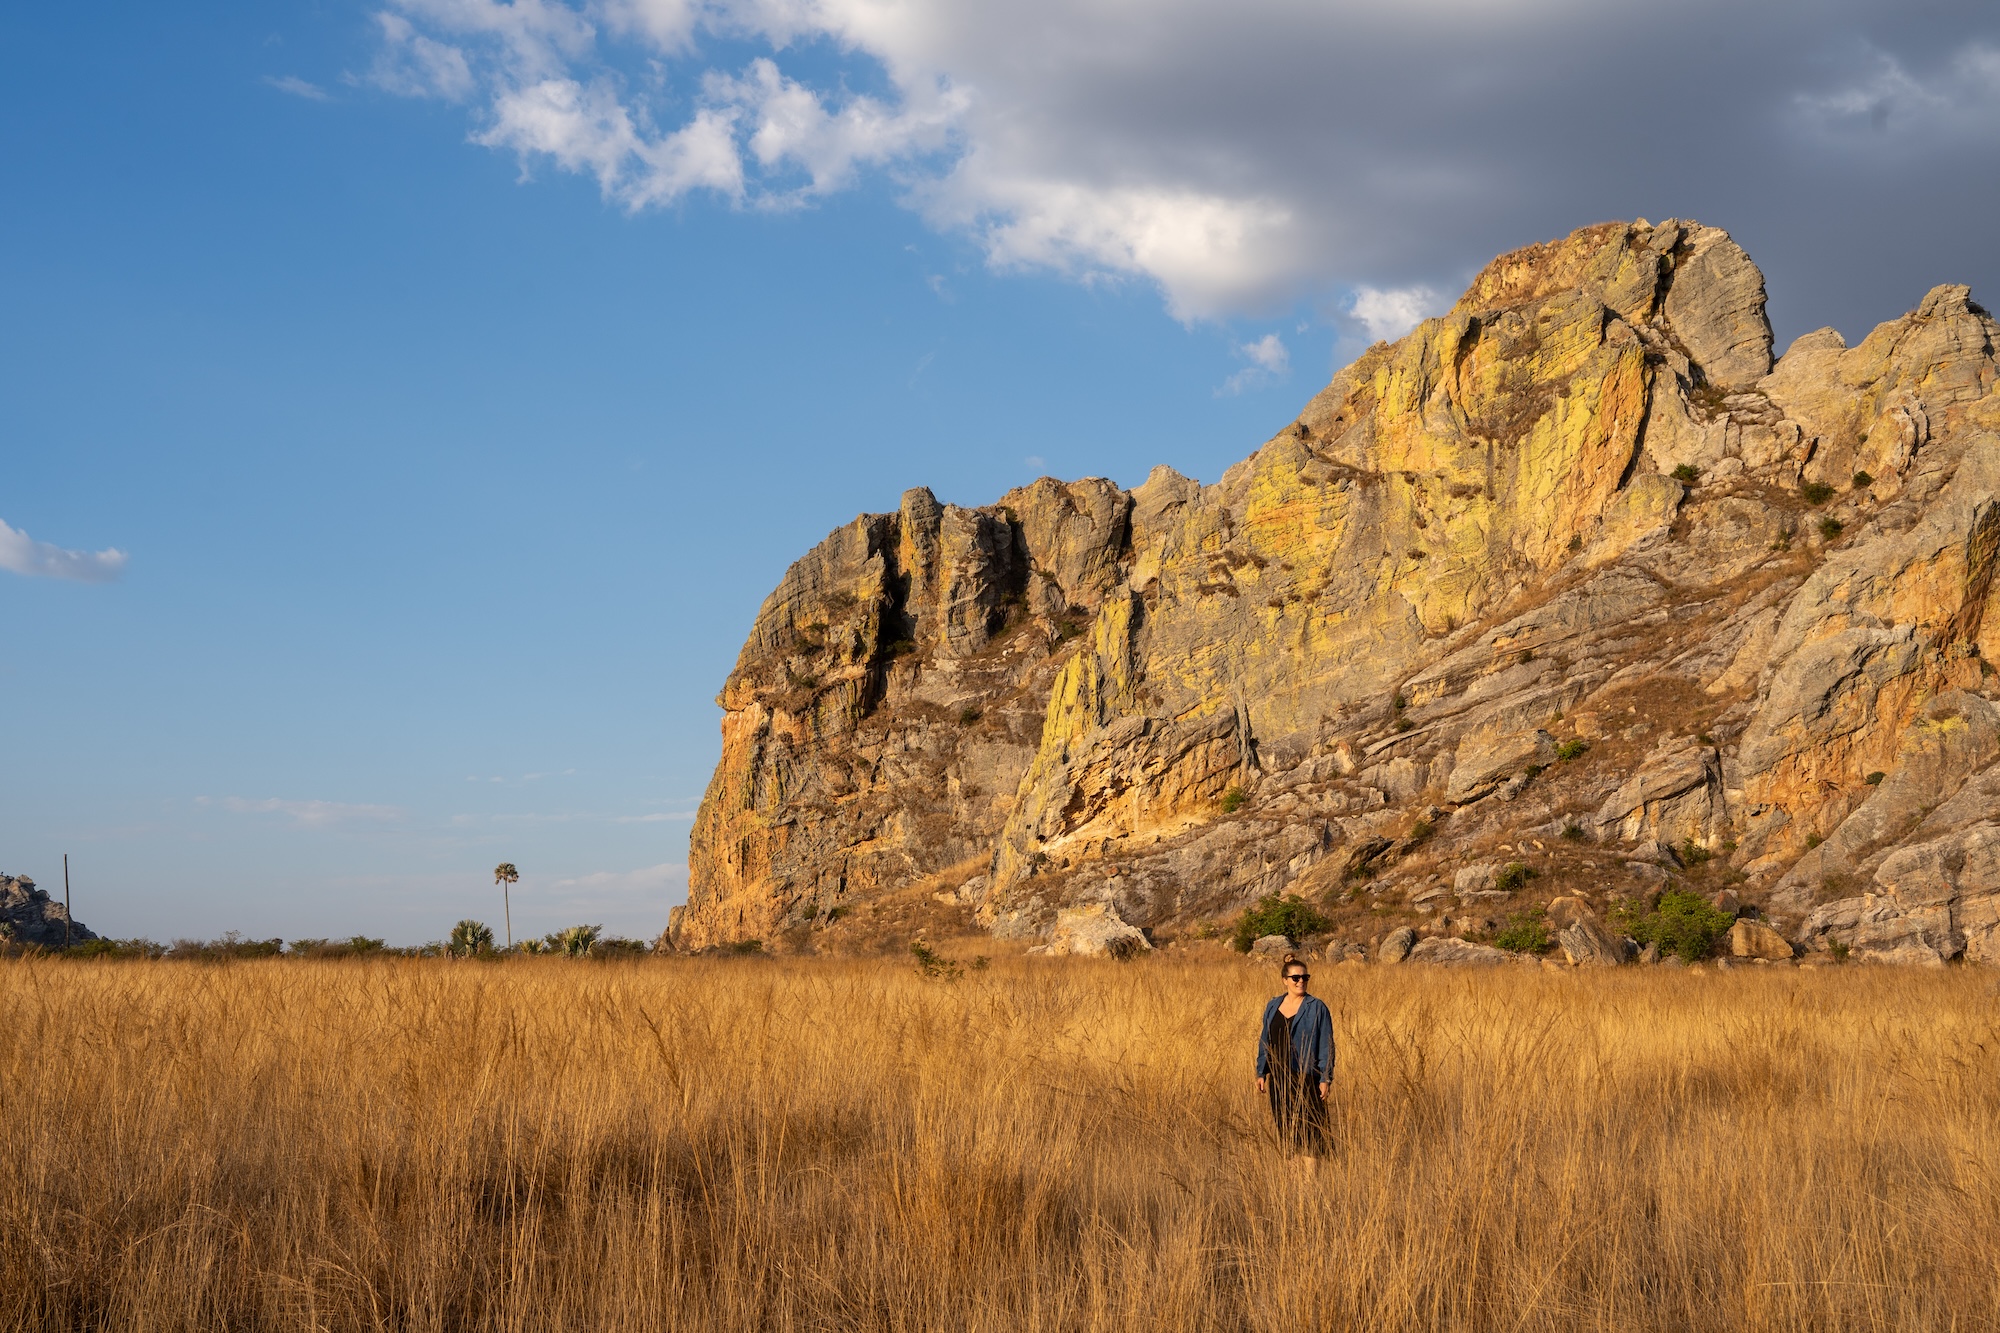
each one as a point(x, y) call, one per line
point(1245, 156)
point(311, 814)
point(22, 554)
point(1269, 361)
point(1391, 314)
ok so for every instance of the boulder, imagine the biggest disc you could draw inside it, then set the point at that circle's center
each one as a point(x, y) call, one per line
point(1271, 946)
point(1586, 943)
point(1754, 939)
point(1396, 945)
point(1650, 954)
point(1567, 911)
point(1449, 952)
point(1475, 878)
point(1096, 931)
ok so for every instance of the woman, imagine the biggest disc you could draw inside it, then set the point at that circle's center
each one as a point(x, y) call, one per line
point(1295, 1061)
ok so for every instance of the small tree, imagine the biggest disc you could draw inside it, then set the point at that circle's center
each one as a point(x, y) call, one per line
point(575, 941)
point(1276, 916)
point(470, 937)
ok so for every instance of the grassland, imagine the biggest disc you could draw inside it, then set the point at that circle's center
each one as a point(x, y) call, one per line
point(762, 1144)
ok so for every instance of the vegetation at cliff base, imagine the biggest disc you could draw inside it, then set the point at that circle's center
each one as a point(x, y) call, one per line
point(1681, 923)
point(1276, 916)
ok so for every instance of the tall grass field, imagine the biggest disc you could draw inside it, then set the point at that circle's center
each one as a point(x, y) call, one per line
point(1037, 1145)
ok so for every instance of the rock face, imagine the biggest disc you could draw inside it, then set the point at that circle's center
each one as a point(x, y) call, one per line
point(1577, 556)
point(29, 916)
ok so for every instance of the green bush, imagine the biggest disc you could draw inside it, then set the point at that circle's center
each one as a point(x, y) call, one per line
point(1276, 916)
point(932, 965)
point(572, 941)
point(1687, 474)
point(1875, 779)
point(1816, 492)
point(1862, 481)
point(355, 947)
point(1830, 527)
point(1525, 932)
point(102, 948)
point(1694, 854)
point(231, 945)
point(1232, 800)
point(1569, 750)
point(1573, 832)
point(1515, 876)
point(470, 937)
point(1681, 923)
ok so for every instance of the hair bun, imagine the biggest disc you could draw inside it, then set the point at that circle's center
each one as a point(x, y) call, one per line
point(1287, 961)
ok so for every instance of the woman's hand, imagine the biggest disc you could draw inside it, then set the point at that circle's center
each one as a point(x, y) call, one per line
point(1260, 1085)
point(1324, 1089)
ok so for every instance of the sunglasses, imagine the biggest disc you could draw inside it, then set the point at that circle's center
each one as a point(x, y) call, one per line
point(1298, 976)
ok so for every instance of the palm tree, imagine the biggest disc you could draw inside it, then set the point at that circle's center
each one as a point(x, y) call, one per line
point(469, 938)
point(503, 875)
point(575, 941)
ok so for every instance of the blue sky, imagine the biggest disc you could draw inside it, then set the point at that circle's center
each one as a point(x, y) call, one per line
point(452, 380)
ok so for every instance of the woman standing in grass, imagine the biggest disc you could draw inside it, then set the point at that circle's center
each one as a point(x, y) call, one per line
point(1295, 1062)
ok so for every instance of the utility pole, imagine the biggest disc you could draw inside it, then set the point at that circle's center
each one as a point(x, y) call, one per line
point(65, 900)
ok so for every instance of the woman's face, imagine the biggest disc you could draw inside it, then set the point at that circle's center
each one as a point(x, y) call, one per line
point(1296, 978)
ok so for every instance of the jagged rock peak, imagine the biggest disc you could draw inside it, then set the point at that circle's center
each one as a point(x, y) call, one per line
point(29, 916)
point(1575, 558)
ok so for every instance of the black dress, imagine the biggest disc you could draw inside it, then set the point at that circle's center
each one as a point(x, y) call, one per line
point(1296, 1106)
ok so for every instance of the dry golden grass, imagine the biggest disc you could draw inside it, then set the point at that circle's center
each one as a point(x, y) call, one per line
point(763, 1144)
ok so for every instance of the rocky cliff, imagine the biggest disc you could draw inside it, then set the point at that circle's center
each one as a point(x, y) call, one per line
point(29, 916)
point(1575, 578)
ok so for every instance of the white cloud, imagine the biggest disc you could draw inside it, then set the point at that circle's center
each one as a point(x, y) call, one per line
point(413, 65)
point(22, 554)
point(315, 814)
point(612, 891)
point(1269, 360)
point(587, 129)
point(1238, 157)
point(1388, 315)
point(297, 87)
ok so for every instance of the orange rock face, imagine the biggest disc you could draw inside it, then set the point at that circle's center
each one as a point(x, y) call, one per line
point(1172, 700)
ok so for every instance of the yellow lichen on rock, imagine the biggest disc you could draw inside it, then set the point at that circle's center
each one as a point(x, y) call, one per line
point(1586, 483)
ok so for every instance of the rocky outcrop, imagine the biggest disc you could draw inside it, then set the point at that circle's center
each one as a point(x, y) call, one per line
point(28, 916)
point(1576, 558)
point(1447, 952)
point(1094, 932)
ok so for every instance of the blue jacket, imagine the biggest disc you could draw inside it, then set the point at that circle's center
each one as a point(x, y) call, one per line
point(1312, 1039)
